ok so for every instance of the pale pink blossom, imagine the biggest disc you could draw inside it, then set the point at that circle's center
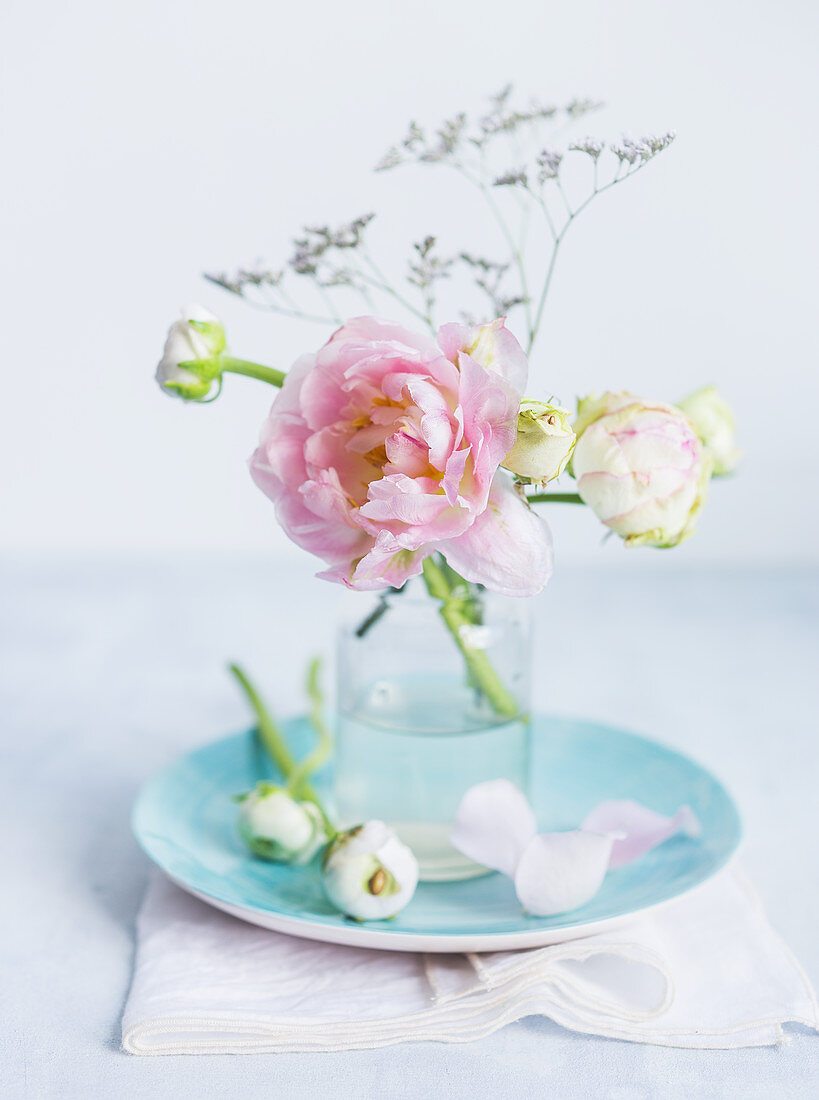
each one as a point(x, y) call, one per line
point(384, 446)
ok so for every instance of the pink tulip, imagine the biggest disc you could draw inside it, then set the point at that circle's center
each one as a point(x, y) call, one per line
point(384, 447)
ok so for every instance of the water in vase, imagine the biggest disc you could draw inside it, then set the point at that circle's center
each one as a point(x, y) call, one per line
point(407, 750)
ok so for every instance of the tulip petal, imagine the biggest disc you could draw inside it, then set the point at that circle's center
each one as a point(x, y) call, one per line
point(491, 345)
point(508, 547)
point(382, 447)
point(561, 871)
point(386, 563)
point(493, 825)
point(636, 829)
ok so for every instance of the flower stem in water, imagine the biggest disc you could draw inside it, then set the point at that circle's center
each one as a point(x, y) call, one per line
point(458, 613)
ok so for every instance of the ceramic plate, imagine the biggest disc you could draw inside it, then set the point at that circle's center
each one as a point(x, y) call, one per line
point(184, 819)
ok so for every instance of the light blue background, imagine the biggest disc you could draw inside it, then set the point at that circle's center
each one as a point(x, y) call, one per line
point(111, 670)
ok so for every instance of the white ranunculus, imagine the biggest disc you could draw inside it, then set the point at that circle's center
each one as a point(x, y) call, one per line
point(368, 873)
point(640, 467)
point(544, 442)
point(713, 422)
point(276, 826)
point(198, 338)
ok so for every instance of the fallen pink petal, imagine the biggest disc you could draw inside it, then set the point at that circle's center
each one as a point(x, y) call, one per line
point(636, 828)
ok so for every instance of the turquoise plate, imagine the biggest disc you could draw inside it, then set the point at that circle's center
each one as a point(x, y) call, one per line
point(184, 819)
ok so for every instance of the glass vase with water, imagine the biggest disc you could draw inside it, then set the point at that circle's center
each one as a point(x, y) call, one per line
point(433, 697)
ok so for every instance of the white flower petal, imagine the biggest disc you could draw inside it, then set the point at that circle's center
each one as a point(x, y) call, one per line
point(561, 871)
point(636, 828)
point(493, 825)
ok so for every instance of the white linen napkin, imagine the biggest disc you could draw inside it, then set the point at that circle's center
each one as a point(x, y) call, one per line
point(705, 971)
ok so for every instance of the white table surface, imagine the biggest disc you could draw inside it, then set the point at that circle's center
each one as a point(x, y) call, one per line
point(111, 668)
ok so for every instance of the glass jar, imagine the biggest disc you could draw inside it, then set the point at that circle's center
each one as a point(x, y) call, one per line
point(433, 697)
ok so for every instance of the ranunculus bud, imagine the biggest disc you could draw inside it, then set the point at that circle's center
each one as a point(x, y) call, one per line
point(368, 873)
point(714, 423)
point(276, 826)
point(641, 468)
point(544, 442)
point(197, 341)
point(594, 406)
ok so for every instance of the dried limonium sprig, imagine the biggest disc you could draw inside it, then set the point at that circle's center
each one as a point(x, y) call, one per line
point(488, 276)
point(588, 145)
point(642, 149)
point(627, 156)
point(504, 152)
point(426, 269)
point(548, 162)
point(511, 178)
point(579, 107)
point(323, 256)
point(468, 147)
point(455, 134)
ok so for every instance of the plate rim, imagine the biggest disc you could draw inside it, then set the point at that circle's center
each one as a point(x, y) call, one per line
point(435, 943)
point(356, 934)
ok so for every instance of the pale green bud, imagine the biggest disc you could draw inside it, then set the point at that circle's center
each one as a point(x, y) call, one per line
point(714, 423)
point(191, 360)
point(276, 826)
point(544, 443)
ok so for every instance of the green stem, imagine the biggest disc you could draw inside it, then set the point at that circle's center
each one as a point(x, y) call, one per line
point(456, 614)
point(378, 611)
point(270, 735)
point(314, 760)
point(555, 498)
point(253, 370)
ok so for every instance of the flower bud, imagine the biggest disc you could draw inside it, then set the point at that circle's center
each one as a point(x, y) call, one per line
point(191, 360)
point(368, 873)
point(276, 826)
point(714, 423)
point(594, 406)
point(544, 442)
point(641, 468)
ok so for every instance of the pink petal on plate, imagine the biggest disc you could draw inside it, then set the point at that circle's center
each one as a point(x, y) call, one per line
point(561, 871)
point(493, 825)
point(636, 829)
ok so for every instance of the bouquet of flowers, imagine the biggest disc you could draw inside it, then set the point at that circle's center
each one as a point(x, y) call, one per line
point(408, 448)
